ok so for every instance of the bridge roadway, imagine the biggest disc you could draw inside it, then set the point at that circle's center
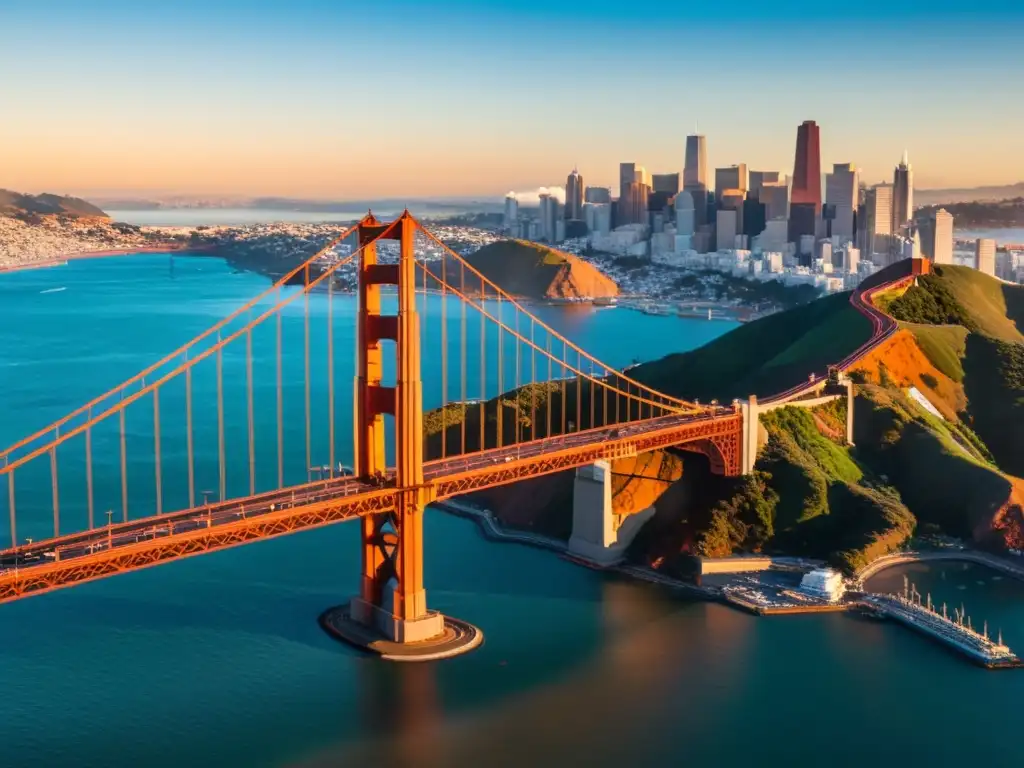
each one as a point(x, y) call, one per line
point(450, 476)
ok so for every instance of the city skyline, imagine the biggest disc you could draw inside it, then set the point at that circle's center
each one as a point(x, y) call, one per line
point(137, 99)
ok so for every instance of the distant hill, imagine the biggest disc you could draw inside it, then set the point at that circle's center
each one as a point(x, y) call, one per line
point(981, 214)
point(537, 272)
point(967, 194)
point(17, 204)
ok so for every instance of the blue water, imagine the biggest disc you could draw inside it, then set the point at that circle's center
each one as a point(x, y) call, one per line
point(218, 660)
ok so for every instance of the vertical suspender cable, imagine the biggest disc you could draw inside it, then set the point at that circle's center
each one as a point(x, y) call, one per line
point(188, 439)
point(330, 372)
point(221, 469)
point(250, 413)
point(88, 475)
point(124, 472)
point(156, 450)
point(55, 491)
point(444, 352)
point(12, 512)
point(309, 451)
point(464, 410)
point(280, 406)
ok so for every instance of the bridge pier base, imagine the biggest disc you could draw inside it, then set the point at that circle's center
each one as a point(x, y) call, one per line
point(598, 535)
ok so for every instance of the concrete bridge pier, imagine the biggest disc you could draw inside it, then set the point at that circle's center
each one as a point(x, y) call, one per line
point(598, 533)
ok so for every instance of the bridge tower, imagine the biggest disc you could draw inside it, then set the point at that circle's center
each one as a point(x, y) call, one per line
point(392, 600)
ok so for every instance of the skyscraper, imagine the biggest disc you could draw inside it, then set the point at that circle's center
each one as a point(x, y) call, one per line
point(985, 256)
point(902, 195)
point(549, 217)
point(695, 170)
point(807, 167)
point(667, 183)
point(877, 240)
point(732, 200)
point(937, 237)
point(733, 177)
point(775, 197)
point(597, 195)
point(841, 190)
point(511, 212)
point(805, 198)
point(574, 196)
point(758, 179)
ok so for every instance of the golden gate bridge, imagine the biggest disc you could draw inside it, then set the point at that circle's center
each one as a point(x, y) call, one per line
point(557, 408)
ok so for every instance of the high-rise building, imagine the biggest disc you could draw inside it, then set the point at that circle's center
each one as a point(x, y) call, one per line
point(597, 195)
point(627, 174)
point(732, 200)
point(574, 196)
point(695, 169)
point(985, 256)
point(633, 204)
point(685, 222)
point(937, 237)
point(733, 177)
point(725, 229)
point(807, 167)
point(550, 214)
point(902, 195)
point(511, 212)
point(877, 239)
point(774, 195)
point(666, 182)
point(758, 179)
point(842, 192)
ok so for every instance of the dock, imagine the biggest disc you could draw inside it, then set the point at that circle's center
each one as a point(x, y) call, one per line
point(957, 633)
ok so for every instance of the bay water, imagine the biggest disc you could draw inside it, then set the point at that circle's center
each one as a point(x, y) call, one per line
point(218, 660)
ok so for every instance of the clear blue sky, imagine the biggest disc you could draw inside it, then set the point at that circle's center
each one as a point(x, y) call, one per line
point(394, 97)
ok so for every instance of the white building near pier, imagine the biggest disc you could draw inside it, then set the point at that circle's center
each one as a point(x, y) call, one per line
point(824, 584)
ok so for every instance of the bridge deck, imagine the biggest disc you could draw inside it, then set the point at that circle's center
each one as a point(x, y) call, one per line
point(84, 556)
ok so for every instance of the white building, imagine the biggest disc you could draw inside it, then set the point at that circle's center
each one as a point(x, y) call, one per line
point(511, 212)
point(841, 188)
point(985, 256)
point(824, 583)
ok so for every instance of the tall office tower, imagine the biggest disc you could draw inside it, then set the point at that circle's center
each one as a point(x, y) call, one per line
point(574, 196)
point(633, 204)
point(841, 192)
point(733, 177)
point(642, 176)
point(937, 237)
point(985, 256)
point(666, 182)
point(878, 241)
point(732, 200)
point(725, 229)
point(627, 172)
point(758, 179)
point(511, 212)
point(902, 195)
point(774, 195)
point(597, 195)
point(807, 167)
point(549, 216)
point(695, 169)
point(685, 214)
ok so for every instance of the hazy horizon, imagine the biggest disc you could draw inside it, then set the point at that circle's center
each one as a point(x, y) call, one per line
point(473, 99)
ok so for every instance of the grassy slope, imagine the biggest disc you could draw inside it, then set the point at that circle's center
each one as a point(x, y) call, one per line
point(765, 356)
point(983, 349)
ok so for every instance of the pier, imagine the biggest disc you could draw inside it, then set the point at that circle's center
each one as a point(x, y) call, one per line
point(956, 633)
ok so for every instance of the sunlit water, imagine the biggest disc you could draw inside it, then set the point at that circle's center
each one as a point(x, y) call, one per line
point(218, 660)
point(238, 217)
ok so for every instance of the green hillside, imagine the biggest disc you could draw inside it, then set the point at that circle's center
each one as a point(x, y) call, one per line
point(765, 356)
point(971, 327)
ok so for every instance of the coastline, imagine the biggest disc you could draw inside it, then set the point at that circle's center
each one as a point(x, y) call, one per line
point(58, 261)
